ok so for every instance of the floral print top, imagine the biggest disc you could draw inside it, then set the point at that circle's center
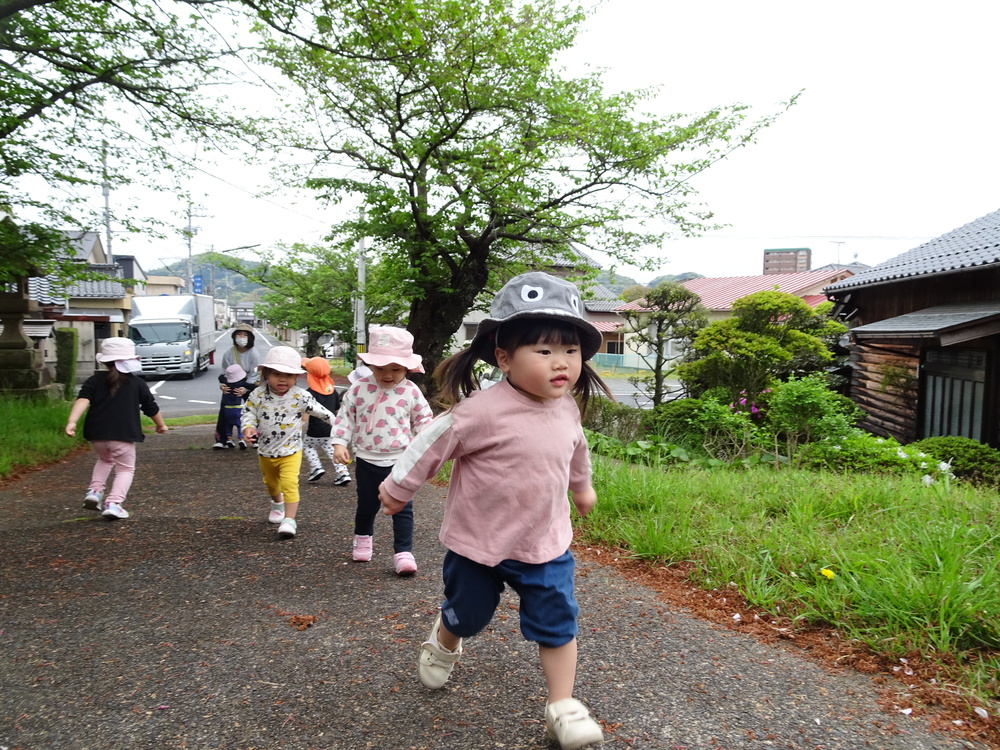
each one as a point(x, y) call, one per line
point(278, 419)
point(378, 423)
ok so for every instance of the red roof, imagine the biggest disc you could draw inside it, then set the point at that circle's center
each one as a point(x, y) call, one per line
point(610, 326)
point(719, 294)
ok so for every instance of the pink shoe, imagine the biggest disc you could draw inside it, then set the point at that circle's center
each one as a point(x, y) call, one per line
point(404, 563)
point(362, 548)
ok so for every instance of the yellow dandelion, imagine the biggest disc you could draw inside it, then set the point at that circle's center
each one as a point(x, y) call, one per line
point(826, 572)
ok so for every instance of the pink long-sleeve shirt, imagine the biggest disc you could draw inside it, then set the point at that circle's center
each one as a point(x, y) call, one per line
point(515, 459)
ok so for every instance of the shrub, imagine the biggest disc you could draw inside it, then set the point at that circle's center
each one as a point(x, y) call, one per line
point(860, 452)
point(675, 421)
point(802, 410)
point(67, 341)
point(970, 460)
point(613, 419)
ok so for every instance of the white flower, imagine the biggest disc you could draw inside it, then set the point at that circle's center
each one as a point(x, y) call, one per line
point(927, 479)
point(944, 466)
point(923, 464)
point(901, 453)
point(921, 455)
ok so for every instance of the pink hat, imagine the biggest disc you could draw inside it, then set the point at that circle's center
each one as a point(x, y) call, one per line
point(235, 373)
point(391, 346)
point(283, 359)
point(116, 348)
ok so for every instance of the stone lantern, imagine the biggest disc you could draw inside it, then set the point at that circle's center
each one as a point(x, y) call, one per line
point(22, 368)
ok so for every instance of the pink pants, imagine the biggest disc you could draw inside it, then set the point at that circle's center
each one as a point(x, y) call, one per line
point(117, 455)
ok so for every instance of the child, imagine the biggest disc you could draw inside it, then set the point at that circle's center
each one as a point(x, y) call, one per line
point(318, 433)
point(273, 415)
point(380, 415)
point(112, 401)
point(517, 448)
point(232, 404)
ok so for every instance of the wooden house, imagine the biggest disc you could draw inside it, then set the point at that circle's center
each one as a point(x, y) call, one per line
point(925, 334)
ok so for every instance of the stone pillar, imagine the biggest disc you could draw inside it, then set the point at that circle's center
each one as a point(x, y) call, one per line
point(22, 368)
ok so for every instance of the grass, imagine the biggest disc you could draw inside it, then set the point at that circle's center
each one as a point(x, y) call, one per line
point(35, 432)
point(908, 569)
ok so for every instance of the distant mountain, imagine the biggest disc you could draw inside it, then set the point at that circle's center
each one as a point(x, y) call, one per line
point(680, 278)
point(615, 282)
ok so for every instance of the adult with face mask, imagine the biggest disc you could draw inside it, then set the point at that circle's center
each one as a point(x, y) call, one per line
point(241, 353)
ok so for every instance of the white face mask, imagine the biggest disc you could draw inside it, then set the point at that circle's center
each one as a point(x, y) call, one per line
point(241, 340)
point(128, 365)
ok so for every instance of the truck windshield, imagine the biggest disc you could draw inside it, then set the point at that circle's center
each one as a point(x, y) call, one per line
point(159, 333)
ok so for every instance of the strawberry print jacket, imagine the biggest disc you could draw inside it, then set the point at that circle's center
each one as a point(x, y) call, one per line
point(378, 423)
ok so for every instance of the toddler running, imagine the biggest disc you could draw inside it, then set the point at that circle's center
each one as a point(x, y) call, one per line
point(380, 415)
point(112, 401)
point(517, 447)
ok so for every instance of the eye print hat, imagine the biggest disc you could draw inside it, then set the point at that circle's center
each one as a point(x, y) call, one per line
point(536, 295)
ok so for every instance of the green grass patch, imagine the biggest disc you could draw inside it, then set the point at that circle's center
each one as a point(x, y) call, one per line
point(899, 566)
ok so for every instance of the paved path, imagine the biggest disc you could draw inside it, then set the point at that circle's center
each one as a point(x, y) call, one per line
point(191, 626)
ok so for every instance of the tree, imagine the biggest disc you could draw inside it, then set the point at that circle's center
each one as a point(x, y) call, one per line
point(671, 315)
point(771, 336)
point(472, 154)
point(92, 92)
point(312, 288)
point(634, 292)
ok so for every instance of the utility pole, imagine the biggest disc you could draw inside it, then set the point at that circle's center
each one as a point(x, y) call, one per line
point(190, 231)
point(360, 328)
point(106, 190)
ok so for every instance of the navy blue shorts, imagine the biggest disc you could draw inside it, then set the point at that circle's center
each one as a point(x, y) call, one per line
point(548, 606)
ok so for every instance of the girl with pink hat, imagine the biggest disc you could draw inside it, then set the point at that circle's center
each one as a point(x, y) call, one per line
point(379, 416)
point(113, 400)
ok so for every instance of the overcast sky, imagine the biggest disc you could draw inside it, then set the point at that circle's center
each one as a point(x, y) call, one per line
point(893, 142)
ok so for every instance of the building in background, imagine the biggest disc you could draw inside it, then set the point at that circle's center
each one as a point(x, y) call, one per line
point(787, 260)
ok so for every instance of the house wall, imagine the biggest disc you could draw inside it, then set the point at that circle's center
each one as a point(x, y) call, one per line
point(898, 298)
point(895, 412)
point(890, 404)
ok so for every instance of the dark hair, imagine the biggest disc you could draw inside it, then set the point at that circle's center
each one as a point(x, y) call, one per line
point(115, 378)
point(455, 375)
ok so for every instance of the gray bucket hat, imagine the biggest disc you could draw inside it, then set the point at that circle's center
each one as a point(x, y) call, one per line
point(536, 295)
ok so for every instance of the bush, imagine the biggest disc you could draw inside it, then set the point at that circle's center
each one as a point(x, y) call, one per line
point(613, 419)
point(970, 460)
point(67, 342)
point(675, 421)
point(803, 410)
point(861, 452)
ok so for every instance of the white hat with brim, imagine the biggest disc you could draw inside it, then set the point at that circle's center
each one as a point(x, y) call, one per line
point(117, 348)
point(283, 359)
point(536, 295)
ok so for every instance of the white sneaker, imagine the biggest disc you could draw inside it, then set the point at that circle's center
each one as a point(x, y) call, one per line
point(277, 514)
point(287, 528)
point(435, 663)
point(568, 722)
point(316, 474)
point(115, 510)
point(342, 479)
point(219, 446)
point(92, 500)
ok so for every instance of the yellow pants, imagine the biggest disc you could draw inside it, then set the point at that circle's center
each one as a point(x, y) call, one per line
point(281, 475)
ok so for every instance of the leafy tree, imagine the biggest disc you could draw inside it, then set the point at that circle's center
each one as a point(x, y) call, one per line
point(312, 288)
point(634, 292)
point(472, 154)
point(92, 92)
point(671, 314)
point(771, 335)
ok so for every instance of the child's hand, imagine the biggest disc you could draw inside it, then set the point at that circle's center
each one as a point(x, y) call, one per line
point(341, 455)
point(390, 505)
point(585, 500)
point(71, 429)
point(250, 433)
point(162, 429)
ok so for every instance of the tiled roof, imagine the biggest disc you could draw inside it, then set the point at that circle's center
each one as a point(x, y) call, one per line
point(607, 326)
point(975, 244)
point(601, 299)
point(719, 294)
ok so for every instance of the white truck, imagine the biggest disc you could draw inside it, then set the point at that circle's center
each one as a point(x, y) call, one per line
point(174, 334)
